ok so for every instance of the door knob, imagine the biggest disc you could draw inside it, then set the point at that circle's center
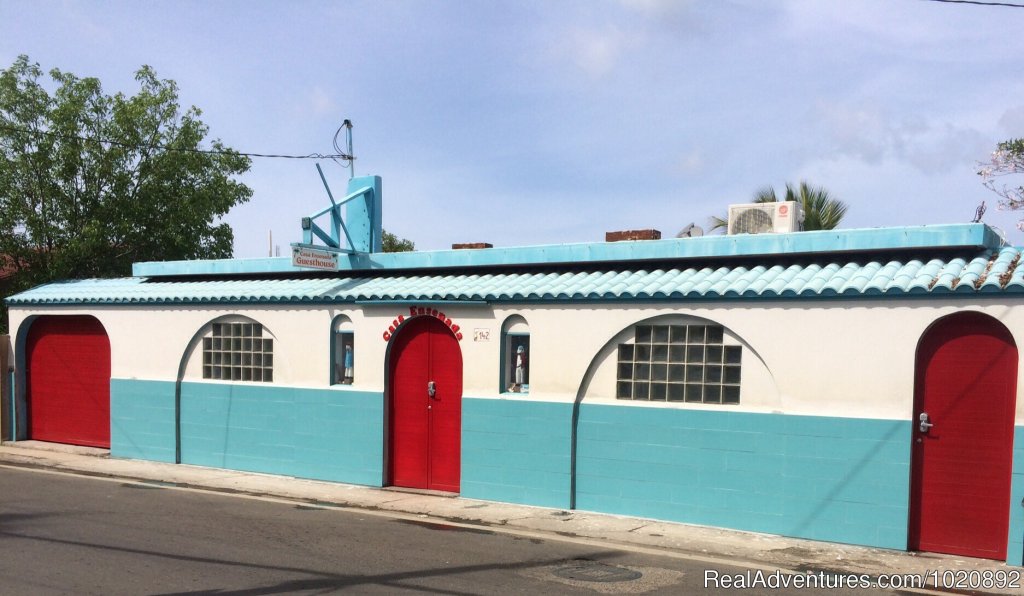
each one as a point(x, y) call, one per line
point(923, 423)
point(431, 390)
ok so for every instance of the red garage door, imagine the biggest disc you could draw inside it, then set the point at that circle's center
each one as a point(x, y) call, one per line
point(963, 437)
point(68, 381)
point(426, 406)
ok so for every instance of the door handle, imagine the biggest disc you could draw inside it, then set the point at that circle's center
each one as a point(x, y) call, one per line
point(923, 423)
point(431, 390)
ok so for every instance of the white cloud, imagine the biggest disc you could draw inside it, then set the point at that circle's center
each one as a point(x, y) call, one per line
point(320, 102)
point(665, 11)
point(905, 24)
point(947, 147)
point(859, 131)
point(596, 52)
point(81, 20)
point(691, 163)
point(870, 134)
point(1012, 122)
point(621, 38)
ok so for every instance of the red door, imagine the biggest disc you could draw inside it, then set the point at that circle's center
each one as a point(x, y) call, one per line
point(68, 381)
point(966, 383)
point(425, 430)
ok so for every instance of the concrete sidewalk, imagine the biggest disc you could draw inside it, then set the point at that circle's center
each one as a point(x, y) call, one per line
point(711, 545)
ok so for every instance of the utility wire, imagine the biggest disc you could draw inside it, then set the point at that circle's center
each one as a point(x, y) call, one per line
point(980, 3)
point(335, 156)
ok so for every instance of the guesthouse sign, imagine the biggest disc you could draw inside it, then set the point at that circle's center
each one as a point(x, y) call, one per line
point(312, 258)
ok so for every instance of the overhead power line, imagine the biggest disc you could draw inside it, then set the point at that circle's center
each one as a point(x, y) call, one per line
point(179, 149)
point(981, 3)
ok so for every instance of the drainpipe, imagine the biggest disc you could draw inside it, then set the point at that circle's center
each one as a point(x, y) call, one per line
point(14, 406)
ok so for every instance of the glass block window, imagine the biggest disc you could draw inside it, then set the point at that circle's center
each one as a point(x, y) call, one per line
point(682, 363)
point(238, 352)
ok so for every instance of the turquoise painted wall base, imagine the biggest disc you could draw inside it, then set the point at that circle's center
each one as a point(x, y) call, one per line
point(1015, 544)
point(322, 434)
point(836, 479)
point(142, 420)
point(516, 451)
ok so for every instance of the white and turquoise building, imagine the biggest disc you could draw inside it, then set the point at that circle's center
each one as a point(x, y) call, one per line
point(857, 386)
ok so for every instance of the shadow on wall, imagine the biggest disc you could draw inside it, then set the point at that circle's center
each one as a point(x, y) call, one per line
point(6, 366)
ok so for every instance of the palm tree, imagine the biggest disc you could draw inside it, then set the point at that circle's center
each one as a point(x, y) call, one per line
point(821, 211)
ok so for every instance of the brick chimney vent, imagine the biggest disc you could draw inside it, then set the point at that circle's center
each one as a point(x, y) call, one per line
point(632, 235)
point(472, 245)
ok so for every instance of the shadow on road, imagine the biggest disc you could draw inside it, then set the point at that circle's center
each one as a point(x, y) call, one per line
point(320, 580)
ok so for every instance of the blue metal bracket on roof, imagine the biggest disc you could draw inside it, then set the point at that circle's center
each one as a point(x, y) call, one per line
point(361, 226)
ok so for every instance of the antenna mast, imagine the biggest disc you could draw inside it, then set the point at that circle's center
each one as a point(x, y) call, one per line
point(347, 152)
point(348, 143)
point(979, 213)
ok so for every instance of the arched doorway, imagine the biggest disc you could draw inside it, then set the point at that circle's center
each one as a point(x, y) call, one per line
point(68, 381)
point(425, 400)
point(964, 400)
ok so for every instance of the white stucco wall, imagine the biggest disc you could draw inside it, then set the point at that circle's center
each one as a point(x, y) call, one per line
point(838, 358)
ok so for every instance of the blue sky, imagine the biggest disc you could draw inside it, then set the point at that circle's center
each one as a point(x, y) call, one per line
point(540, 122)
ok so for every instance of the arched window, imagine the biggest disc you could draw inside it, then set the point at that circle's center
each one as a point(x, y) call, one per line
point(343, 351)
point(515, 358)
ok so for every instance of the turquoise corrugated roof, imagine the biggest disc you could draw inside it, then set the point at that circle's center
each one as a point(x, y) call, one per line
point(986, 272)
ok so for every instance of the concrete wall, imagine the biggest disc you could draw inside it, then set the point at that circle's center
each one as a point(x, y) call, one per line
point(142, 419)
point(319, 434)
point(834, 358)
point(825, 478)
point(309, 433)
point(517, 451)
point(1015, 547)
point(819, 446)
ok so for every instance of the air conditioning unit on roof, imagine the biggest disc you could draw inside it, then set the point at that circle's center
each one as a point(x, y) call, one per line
point(765, 218)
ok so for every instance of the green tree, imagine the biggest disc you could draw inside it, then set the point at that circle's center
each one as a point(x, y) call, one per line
point(90, 183)
point(392, 243)
point(821, 210)
point(1007, 159)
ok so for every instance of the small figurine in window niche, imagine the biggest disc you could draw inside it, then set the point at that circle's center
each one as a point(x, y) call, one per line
point(520, 370)
point(347, 378)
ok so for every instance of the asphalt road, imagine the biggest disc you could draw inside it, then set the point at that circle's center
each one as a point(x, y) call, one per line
point(63, 534)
